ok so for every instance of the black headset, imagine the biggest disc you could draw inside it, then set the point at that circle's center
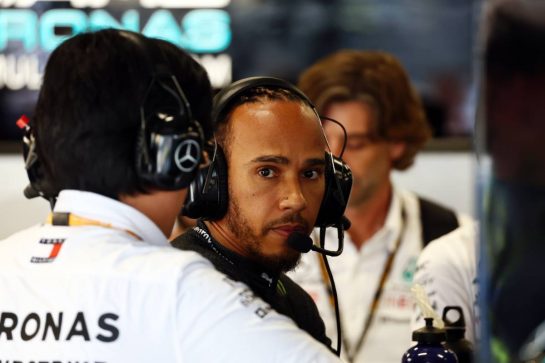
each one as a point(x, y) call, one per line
point(37, 184)
point(208, 193)
point(170, 141)
point(169, 144)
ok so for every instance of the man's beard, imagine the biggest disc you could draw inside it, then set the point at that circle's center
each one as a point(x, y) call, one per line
point(253, 243)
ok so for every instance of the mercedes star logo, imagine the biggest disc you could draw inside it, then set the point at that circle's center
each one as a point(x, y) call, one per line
point(187, 155)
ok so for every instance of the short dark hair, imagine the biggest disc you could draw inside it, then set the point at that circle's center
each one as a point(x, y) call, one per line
point(251, 95)
point(380, 80)
point(88, 112)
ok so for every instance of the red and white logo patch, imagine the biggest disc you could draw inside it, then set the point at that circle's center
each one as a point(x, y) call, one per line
point(56, 244)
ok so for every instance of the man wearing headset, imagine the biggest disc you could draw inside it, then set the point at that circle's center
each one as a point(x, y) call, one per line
point(116, 138)
point(269, 171)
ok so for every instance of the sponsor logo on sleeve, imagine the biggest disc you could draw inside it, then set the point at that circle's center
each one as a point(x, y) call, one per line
point(248, 299)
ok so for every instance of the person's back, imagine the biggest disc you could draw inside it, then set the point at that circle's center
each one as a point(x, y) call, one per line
point(94, 292)
point(117, 142)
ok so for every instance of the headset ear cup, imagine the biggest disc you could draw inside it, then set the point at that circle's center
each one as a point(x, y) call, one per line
point(35, 176)
point(194, 203)
point(208, 196)
point(338, 183)
point(38, 186)
point(170, 161)
point(170, 141)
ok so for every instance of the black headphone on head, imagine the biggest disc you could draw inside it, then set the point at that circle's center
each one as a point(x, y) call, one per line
point(208, 193)
point(170, 141)
point(37, 187)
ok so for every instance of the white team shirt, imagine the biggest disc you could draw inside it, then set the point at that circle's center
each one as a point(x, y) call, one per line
point(447, 270)
point(357, 273)
point(96, 294)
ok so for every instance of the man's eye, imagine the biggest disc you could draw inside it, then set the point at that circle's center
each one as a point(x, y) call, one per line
point(266, 172)
point(312, 174)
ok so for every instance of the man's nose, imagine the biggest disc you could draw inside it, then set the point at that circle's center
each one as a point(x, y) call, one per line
point(292, 197)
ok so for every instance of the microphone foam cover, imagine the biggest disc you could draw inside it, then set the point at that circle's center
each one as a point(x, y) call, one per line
point(300, 242)
point(346, 223)
point(30, 192)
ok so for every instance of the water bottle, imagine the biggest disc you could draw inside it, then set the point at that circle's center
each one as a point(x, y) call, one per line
point(456, 340)
point(429, 348)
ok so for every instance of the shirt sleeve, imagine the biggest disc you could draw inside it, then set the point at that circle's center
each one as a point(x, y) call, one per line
point(446, 269)
point(222, 320)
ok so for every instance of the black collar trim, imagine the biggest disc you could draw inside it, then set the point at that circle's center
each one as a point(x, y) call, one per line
point(249, 268)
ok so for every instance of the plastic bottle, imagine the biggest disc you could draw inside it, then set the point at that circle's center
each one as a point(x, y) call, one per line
point(429, 348)
point(456, 341)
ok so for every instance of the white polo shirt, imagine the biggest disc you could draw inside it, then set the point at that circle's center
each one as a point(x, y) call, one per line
point(447, 270)
point(357, 273)
point(95, 294)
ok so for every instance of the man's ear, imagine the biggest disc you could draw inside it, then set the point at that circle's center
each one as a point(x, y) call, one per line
point(396, 150)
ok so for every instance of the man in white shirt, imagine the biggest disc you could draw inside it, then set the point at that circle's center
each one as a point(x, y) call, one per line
point(274, 183)
point(116, 138)
point(369, 93)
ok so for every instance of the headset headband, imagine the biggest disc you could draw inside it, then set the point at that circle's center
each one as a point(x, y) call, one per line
point(225, 96)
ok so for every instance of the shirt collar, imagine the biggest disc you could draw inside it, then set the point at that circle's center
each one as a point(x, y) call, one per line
point(107, 210)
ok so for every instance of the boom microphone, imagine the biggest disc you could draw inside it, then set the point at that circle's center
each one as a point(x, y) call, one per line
point(300, 242)
point(346, 223)
point(31, 192)
point(303, 243)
